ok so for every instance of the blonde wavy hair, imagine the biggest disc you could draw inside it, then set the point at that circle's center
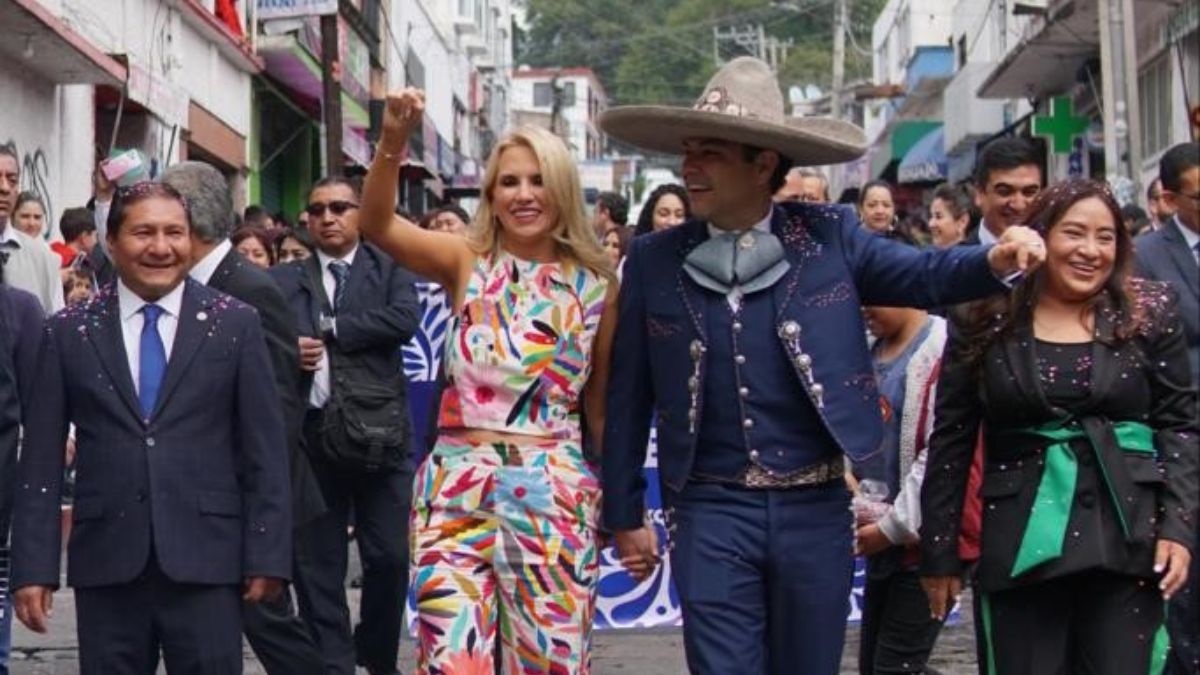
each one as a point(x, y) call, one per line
point(575, 241)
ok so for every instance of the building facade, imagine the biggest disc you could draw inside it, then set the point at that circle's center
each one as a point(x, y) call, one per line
point(569, 101)
point(83, 79)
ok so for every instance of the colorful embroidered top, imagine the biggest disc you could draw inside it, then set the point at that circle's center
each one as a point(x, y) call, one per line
point(519, 353)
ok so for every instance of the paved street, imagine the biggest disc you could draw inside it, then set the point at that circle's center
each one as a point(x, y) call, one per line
point(653, 652)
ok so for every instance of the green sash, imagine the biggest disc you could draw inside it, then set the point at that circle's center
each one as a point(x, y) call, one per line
point(1047, 526)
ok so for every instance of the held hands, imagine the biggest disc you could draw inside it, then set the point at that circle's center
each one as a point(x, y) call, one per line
point(401, 116)
point(1171, 559)
point(1019, 249)
point(637, 551)
point(34, 606)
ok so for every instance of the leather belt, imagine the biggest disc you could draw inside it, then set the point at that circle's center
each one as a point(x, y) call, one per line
point(758, 477)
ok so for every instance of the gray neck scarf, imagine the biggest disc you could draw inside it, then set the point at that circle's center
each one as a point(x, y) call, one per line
point(749, 261)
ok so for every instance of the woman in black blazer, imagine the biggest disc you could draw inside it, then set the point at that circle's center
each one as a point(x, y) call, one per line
point(1080, 381)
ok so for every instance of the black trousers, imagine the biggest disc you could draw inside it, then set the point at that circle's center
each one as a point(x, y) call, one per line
point(280, 639)
point(381, 502)
point(123, 628)
point(1093, 623)
point(897, 631)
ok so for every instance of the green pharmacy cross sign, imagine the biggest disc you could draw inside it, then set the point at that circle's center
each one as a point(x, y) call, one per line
point(1061, 126)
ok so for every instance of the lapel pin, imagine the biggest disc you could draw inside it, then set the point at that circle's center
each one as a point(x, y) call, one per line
point(202, 316)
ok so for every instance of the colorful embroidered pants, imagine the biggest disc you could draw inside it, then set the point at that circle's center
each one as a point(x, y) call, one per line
point(503, 537)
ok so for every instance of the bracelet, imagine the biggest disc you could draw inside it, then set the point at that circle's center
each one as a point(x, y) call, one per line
point(391, 155)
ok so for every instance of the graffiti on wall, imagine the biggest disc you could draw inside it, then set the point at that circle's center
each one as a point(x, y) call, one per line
point(35, 177)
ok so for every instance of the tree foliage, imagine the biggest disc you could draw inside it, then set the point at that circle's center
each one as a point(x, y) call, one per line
point(662, 51)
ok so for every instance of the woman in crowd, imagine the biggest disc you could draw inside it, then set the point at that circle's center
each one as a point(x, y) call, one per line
point(616, 244)
point(255, 245)
point(1080, 381)
point(505, 505)
point(294, 243)
point(949, 215)
point(897, 632)
point(876, 208)
point(666, 207)
point(29, 215)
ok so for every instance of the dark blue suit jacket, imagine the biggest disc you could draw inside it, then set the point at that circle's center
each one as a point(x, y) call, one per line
point(20, 335)
point(381, 311)
point(836, 267)
point(202, 484)
point(1163, 255)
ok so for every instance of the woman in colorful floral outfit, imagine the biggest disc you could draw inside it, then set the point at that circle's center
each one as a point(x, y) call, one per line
point(505, 505)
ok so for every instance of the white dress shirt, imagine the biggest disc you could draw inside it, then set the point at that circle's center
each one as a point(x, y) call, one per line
point(1190, 237)
point(203, 270)
point(764, 225)
point(132, 320)
point(985, 235)
point(320, 386)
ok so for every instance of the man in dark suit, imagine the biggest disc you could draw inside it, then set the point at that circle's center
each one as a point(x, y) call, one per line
point(279, 638)
point(742, 332)
point(1008, 176)
point(182, 510)
point(354, 308)
point(20, 335)
point(1172, 254)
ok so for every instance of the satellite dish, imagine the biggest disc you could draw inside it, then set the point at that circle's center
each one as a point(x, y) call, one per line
point(812, 92)
point(795, 94)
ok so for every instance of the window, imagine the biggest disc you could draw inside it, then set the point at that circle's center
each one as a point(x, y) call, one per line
point(541, 95)
point(1154, 90)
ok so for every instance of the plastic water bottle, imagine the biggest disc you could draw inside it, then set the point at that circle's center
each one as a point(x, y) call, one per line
point(870, 504)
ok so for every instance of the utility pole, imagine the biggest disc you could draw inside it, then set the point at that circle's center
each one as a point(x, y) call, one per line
point(840, 21)
point(1122, 155)
point(331, 95)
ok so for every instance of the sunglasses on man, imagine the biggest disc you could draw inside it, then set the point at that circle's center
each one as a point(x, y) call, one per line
point(337, 207)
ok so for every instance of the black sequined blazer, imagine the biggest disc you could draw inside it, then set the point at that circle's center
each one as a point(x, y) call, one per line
point(1145, 379)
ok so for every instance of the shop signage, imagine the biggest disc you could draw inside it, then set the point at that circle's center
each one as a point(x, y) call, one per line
point(291, 9)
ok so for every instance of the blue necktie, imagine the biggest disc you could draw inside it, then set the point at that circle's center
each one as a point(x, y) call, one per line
point(340, 270)
point(152, 363)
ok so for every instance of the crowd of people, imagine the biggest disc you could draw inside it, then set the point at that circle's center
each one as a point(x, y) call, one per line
point(999, 392)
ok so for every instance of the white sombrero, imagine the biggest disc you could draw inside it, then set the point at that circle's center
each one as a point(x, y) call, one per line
point(742, 103)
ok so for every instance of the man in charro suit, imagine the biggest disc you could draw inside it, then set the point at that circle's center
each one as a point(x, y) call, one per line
point(741, 331)
point(182, 511)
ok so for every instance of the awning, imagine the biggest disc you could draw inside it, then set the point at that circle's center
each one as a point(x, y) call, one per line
point(1047, 62)
point(290, 63)
point(36, 40)
point(925, 161)
point(895, 143)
